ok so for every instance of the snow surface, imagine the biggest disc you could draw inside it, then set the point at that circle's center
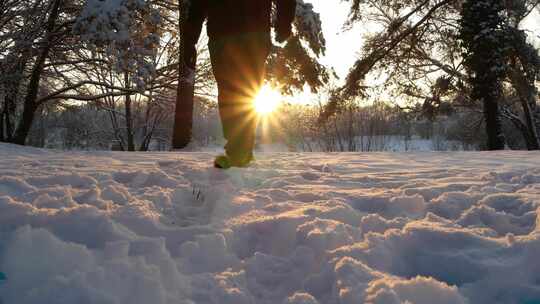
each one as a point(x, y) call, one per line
point(381, 228)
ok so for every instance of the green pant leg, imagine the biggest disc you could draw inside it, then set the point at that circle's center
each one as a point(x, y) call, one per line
point(239, 63)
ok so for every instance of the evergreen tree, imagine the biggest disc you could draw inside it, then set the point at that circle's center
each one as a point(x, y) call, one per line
point(482, 36)
point(416, 57)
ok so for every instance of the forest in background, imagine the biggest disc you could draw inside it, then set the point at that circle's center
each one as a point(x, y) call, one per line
point(461, 75)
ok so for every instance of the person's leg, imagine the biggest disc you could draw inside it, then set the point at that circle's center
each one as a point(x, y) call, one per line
point(239, 68)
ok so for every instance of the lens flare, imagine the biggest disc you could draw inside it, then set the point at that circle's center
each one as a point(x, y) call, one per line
point(267, 101)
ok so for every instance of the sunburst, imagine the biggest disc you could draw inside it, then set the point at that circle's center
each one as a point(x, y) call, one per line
point(267, 101)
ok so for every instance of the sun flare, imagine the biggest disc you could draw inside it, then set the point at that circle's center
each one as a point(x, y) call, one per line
point(267, 101)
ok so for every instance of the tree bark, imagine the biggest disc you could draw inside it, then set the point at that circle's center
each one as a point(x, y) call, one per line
point(11, 84)
point(9, 111)
point(494, 130)
point(516, 120)
point(30, 104)
point(533, 142)
point(527, 97)
point(2, 137)
point(183, 118)
point(129, 117)
point(481, 38)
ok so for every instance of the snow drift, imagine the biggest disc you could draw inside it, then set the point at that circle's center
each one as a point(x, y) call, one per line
point(105, 227)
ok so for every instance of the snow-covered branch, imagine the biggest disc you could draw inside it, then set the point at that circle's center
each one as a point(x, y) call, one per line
point(309, 26)
point(127, 30)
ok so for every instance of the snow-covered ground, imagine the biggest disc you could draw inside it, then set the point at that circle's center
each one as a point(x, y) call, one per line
point(382, 228)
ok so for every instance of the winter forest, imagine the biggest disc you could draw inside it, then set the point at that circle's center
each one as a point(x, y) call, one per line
point(269, 151)
point(428, 75)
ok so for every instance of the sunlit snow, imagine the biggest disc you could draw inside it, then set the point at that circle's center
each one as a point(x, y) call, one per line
point(423, 228)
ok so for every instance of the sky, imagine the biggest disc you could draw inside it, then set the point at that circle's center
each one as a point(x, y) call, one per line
point(343, 46)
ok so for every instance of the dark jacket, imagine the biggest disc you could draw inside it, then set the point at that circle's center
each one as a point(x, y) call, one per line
point(234, 17)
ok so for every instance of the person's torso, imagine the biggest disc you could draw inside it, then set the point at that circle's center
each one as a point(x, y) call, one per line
point(233, 17)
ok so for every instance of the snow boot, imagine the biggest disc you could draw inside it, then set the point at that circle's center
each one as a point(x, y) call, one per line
point(226, 162)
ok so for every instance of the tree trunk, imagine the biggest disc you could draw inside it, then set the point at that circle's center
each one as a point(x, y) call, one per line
point(527, 97)
point(9, 112)
point(183, 118)
point(518, 123)
point(41, 140)
point(2, 137)
point(30, 105)
point(494, 130)
point(533, 142)
point(536, 114)
point(129, 117)
point(481, 37)
point(27, 118)
point(10, 105)
point(12, 84)
point(129, 125)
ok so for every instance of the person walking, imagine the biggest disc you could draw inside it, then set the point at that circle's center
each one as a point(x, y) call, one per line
point(239, 33)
